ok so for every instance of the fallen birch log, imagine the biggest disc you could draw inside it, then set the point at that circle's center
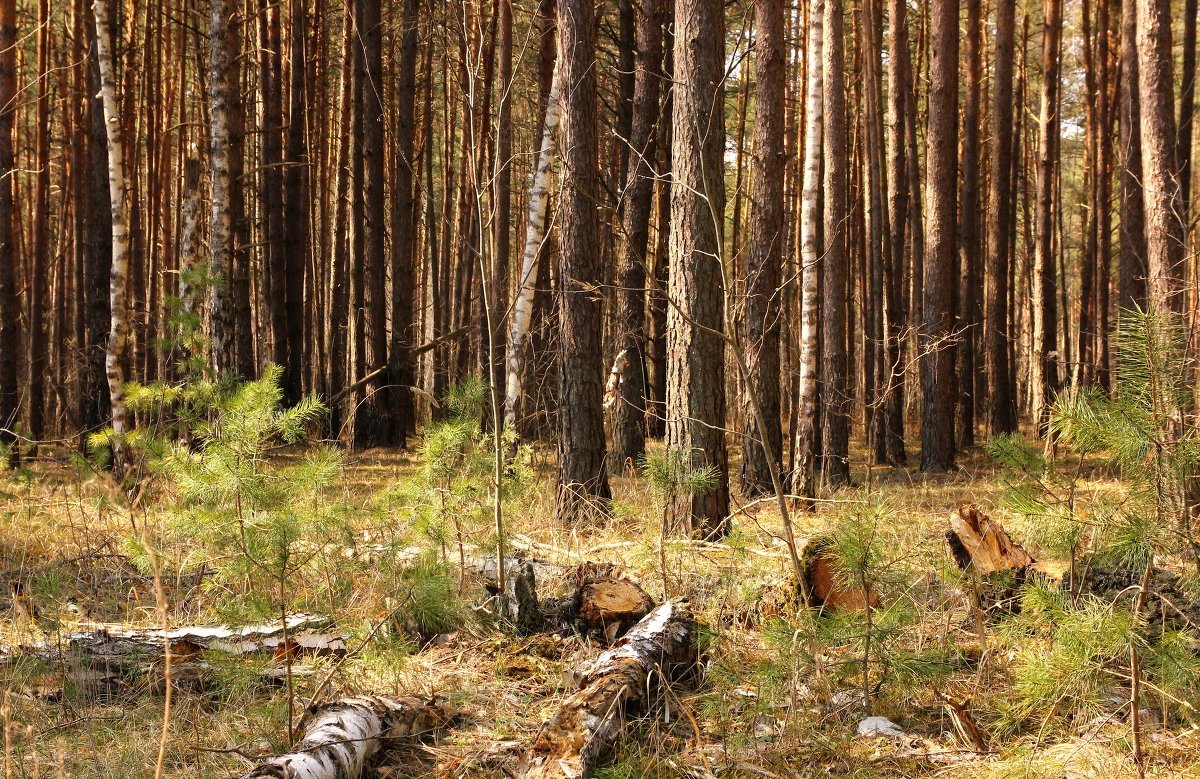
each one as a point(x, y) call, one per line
point(341, 737)
point(611, 687)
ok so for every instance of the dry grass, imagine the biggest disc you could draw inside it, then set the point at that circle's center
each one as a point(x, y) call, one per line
point(759, 713)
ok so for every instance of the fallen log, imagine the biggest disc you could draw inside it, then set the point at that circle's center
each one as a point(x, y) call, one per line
point(614, 685)
point(341, 737)
point(110, 658)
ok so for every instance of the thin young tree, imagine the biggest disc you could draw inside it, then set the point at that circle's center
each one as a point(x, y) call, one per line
point(695, 401)
point(582, 475)
point(940, 268)
point(764, 252)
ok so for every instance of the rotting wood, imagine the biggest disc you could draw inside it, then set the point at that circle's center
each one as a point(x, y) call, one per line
point(823, 587)
point(978, 541)
point(341, 737)
point(614, 685)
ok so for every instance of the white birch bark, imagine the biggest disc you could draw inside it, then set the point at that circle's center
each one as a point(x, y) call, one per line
point(611, 688)
point(118, 283)
point(535, 235)
point(810, 252)
point(341, 737)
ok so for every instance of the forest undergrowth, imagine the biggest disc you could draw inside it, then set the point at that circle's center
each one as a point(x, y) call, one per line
point(782, 691)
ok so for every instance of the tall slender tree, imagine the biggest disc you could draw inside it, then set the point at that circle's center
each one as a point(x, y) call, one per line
point(970, 243)
point(1131, 275)
point(9, 317)
point(937, 331)
point(629, 412)
point(582, 477)
point(765, 249)
point(1002, 400)
point(695, 350)
point(835, 415)
point(804, 446)
point(117, 352)
point(898, 186)
point(1044, 379)
point(1160, 167)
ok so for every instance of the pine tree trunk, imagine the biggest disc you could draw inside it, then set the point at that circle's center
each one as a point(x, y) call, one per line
point(1187, 109)
point(9, 308)
point(695, 352)
point(766, 243)
point(835, 413)
point(1131, 274)
point(810, 254)
point(629, 411)
point(97, 405)
point(38, 296)
point(294, 263)
point(1002, 401)
point(898, 196)
point(402, 369)
point(501, 228)
point(118, 291)
point(582, 475)
point(970, 246)
point(372, 422)
point(1160, 172)
point(937, 332)
point(271, 214)
point(1044, 368)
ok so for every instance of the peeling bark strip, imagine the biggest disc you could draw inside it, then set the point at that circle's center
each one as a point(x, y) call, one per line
point(616, 683)
point(342, 736)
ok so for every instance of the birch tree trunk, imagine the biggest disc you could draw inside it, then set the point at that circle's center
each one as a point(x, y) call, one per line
point(118, 334)
point(223, 86)
point(810, 255)
point(535, 236)
point(341, 737)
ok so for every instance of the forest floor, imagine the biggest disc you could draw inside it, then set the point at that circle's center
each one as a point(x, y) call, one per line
point(780, 697)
